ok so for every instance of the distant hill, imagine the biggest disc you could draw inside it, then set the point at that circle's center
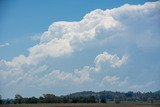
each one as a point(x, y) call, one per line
point(82, 94)
point(121, 96)
point(90, 97)
point(157, 92)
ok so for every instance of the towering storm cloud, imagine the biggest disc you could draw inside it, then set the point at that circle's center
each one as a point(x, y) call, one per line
point(116, 38)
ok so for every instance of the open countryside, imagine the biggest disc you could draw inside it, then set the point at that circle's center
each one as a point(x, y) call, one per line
point(79, 53)
point(81, 105)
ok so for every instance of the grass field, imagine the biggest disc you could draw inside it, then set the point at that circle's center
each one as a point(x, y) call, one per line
point(81, 105)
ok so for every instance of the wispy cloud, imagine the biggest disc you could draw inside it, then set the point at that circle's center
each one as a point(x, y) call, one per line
point(36, 37)
point(4, 45)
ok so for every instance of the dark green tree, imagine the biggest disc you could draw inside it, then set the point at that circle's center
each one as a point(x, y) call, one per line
point(49, 98)
point(0, 99)
point(91, 99)
point(117, 101)
point(41, 99)
point(18, 99)
point(103, 98)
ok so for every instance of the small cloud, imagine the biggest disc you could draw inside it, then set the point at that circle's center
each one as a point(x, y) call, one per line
point(110, 79)
point(4, 45)
point(114, 60)
point(140, 86)
point(36, 37)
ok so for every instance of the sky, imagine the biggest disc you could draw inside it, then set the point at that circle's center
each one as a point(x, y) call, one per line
point(66, 46)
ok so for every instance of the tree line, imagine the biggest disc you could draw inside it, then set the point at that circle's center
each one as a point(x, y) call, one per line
point(87, 97)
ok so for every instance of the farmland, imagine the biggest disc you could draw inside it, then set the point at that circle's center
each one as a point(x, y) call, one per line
point(81, 105)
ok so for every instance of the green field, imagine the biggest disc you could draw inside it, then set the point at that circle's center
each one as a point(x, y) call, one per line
point(81, 105)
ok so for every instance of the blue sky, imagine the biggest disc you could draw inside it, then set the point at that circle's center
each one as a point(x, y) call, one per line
point(64, 46)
